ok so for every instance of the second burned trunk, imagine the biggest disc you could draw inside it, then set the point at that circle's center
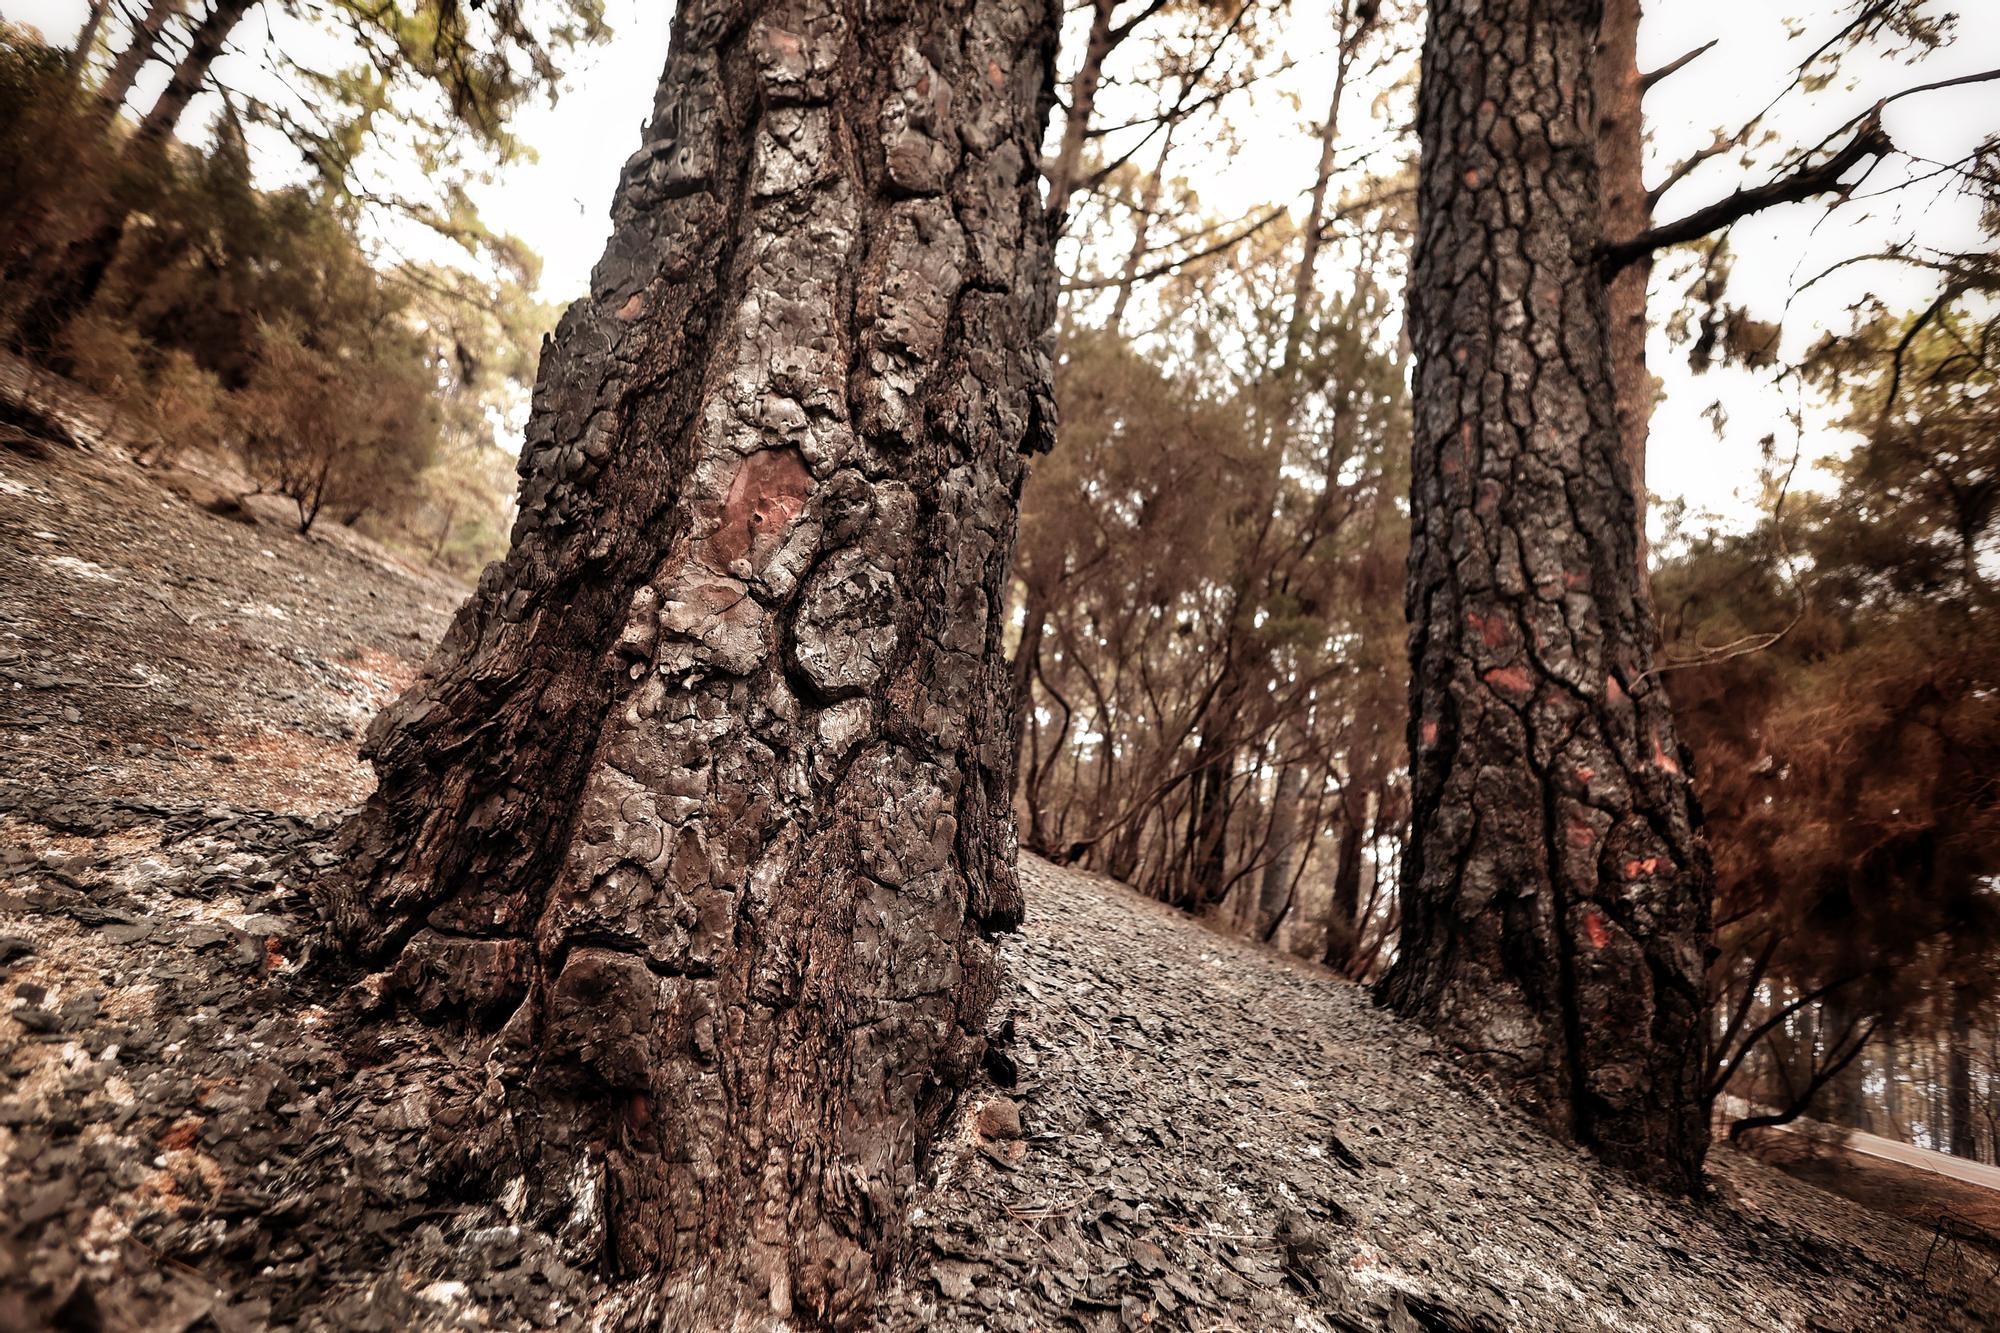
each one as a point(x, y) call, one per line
point(1555, 892)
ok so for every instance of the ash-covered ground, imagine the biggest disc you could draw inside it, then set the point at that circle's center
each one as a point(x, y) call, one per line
point(1186, 1131)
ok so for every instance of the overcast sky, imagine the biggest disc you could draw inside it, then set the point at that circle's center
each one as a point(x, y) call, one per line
point(559, 203)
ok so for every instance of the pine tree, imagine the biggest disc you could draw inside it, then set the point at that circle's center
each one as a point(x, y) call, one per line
point(702, 809)
point(1555, 891)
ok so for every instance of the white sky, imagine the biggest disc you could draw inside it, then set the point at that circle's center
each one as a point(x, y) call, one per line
point(559, 204)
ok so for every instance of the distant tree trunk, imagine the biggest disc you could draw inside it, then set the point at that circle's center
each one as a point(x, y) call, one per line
point(1961, 1133)
point(1200, 882)
point(1555, 891)
point(703, 803)
point(1343, 915)
point(1064, 168)
point(1621, 167)
point(1892, 1086)
point(66, 289)
point(139, 48)
point(208, 41)
point(1274, 888)
point(444, 533)
point(86, 42)
point(1303, 277)
point(1934, 1121)
point(1845, 1102)
point(1027, 655)
point(1121, 862)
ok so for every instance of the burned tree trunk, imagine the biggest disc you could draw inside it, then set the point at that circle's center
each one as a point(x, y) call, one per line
point(205, 44)
point(702, 808)
point(1556, 891)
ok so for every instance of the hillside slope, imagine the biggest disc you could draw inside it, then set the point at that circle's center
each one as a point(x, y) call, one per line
point(198, 1129)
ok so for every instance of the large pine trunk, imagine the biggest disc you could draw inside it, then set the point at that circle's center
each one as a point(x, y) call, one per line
point(702, 807)
point(1556, 891)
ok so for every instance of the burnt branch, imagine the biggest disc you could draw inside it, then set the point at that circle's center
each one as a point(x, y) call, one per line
point(1869, 143)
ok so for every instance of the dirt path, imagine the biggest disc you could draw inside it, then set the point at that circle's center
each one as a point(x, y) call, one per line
point(196, 1130)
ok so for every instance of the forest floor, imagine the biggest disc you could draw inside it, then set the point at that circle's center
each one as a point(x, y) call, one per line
point(1198, 1134)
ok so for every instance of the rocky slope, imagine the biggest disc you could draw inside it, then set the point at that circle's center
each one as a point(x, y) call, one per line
point(1182, 1131)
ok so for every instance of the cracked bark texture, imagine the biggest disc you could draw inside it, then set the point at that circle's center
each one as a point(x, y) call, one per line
point(1556, 889)
point(702, 808)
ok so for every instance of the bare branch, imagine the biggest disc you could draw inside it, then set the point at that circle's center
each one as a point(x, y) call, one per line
point(1685, 167)
point(1944, 298)
point(1672, 67)
point(1172, 266)
point(1870, 143)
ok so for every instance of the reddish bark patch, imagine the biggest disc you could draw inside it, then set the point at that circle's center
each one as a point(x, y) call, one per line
point(1613, 691)
point(1594, 931)
point(1661, 758)
point(1492, 630)
point(767, 493)
point(1581, 834)
point(784, 43)
point(1453, 461)
point(1640, 867)
point(1428, 733)
point(1511, 679)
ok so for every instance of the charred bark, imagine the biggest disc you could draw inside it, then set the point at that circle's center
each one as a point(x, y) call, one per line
point(701, 809)
point(1556, 890)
